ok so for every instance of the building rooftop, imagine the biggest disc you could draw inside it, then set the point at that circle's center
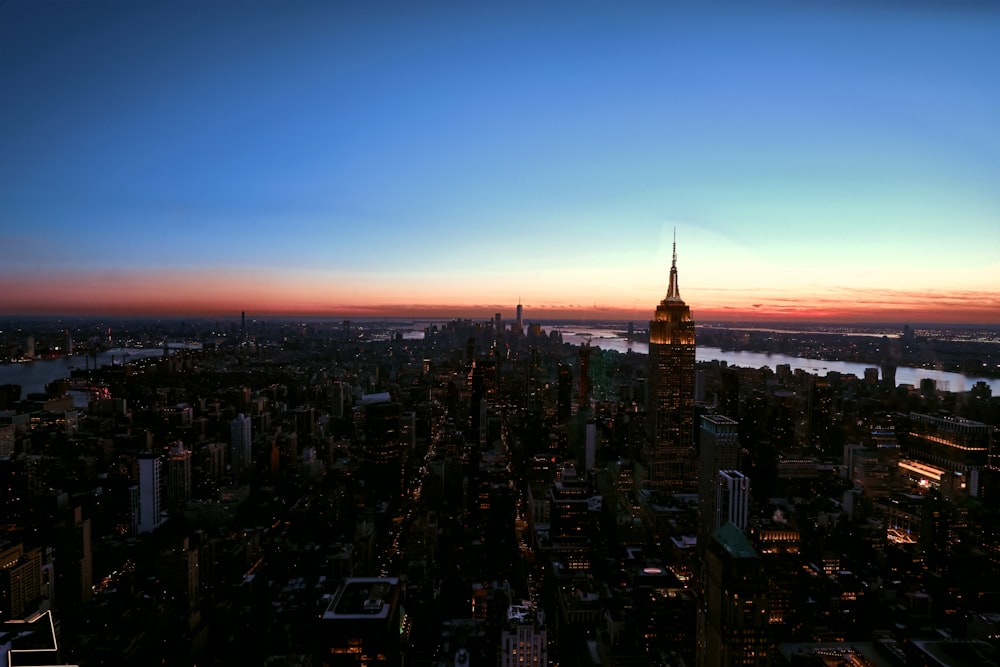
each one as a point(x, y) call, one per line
point(364, 598)
point(29, 642)
point(734, 541)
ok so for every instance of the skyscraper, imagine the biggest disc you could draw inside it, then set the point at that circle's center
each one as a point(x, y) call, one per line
point(719, 450)
point(732, 499)
point(524, 641)
point(149, 493)
point(670, 454)
point(732, 627)
point(239, 443)
point(178, 474)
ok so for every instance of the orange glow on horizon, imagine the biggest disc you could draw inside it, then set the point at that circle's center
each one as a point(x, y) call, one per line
point(214, 295)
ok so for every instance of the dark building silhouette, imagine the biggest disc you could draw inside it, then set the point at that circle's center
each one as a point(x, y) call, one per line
point(733, 620)
point(565, 394)
point(383, 445)
point(719, 450)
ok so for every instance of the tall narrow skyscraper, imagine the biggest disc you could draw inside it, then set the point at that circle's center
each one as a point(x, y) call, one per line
point(149, 493)
point(240, 444)
point(671, 457)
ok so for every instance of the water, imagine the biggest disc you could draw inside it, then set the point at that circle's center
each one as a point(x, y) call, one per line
point(34, 375)
point(610, 339)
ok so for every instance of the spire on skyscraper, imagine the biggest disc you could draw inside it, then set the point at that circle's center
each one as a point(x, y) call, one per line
point(673, 294)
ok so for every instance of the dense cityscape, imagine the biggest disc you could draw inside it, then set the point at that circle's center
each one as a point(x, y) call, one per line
point(483, 492)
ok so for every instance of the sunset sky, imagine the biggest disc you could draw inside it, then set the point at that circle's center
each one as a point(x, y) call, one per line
point(835, 161)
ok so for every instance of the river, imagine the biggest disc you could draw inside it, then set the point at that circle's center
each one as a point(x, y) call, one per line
point(608, 339)
point(34, 375)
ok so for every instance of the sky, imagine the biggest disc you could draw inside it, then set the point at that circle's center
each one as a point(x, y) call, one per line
point(816, 160)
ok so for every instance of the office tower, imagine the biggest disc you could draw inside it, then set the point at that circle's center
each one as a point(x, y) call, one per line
point(520, 317)
point(719, 450)
point(240, 443)
point(383, 441)
point(365, 623)
point(585, 387)
point(671, 458)
point(734, 613)
point(149, 493)
point(29, 353)
point(523, 640)
point(565, 394)
point(178, 474)
point(497, 323)
point(590, 445)
point(20, 581)
point(337, 396)
point(947, 452)
point(177, 569)
point(777, 542)
point(69, 343)
point(74, 563)
point(732, 499)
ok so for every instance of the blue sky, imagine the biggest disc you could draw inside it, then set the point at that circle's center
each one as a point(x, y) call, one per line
point(330, 156)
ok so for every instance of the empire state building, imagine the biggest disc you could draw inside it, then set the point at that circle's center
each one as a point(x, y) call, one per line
point(671, 458)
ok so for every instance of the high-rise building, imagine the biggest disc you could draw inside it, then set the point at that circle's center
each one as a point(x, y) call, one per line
point(365, 623)
point(670, 454)
point(733, 618)
point(719, 450)
point(523, 641)
point(949, 452)
point(178, 474)
point(240, 443)
point(564, 394)
point(74, 565)
point(520, 318)
point(382, 429)
point(149, 493)
point(732, 499)
point(20, 580)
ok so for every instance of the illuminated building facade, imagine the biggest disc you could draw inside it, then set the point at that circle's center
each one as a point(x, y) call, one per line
point(670, 454)
point(20, 580)
point(524, 640)
point(947, 452)
point(778, 547)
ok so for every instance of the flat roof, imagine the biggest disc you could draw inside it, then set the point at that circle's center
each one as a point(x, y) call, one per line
point(362, 598)
point(734, 541)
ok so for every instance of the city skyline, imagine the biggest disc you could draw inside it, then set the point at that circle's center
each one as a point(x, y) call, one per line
point(821, 163)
